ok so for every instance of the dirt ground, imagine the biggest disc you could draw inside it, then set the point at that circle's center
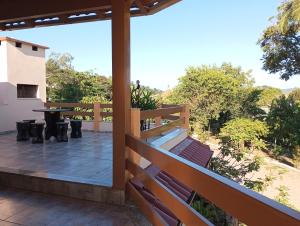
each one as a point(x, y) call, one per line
point(282, 174)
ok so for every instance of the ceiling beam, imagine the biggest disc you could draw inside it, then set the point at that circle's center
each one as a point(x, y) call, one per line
point(15, 14)
point(141, 6)
point(162, 5)
point(16, 10)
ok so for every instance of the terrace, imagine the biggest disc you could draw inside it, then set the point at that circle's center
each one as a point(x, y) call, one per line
point(78, 175)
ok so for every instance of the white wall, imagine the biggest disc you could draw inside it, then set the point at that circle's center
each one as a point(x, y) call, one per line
point(24, 66)
point(3, 73)
point(3, 62)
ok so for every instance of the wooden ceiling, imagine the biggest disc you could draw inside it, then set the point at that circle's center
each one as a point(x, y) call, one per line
point(21, 14)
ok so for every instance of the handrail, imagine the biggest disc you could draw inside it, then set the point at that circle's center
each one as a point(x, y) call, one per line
point(162, 112)
point(181, 118)
point(161, 129)
point(248, 206)
point(181, 209)
point(91, 110)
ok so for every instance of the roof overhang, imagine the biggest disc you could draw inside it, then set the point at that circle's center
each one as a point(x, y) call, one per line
point(21, 14)
point(9, 39)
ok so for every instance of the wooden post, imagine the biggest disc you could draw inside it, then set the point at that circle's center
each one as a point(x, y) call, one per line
point(121, 87)
point(186, 115)
point(158, 121)
point(96, 117)
point(136, 122)
point(135, 130)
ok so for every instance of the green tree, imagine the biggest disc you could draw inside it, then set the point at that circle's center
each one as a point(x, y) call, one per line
point(280, 42)
point(295, 95)
point(267, 95)
point(283, 121)
point(213, 93)
point(65, 84)
point(239, 138)
point(236, 160)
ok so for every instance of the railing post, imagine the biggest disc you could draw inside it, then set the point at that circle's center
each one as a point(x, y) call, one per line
point(135, 128)
point(185, 114)
point(157, 121)
point(96, 117)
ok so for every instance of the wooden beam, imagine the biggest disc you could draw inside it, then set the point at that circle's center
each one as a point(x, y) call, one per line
point(145, 207)
point(180, 208)
point(161, 129)
point(121, 87)
point(16, 10)
point(141, 6)
point(160, 112)
point(246, 205)
point(162, 5)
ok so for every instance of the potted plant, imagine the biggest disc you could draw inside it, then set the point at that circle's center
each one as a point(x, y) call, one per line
point(142, 97)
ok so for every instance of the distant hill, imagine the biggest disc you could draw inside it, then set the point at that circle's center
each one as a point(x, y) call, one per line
point(288, 91)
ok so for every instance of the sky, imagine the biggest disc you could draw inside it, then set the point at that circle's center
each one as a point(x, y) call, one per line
point(190, 33)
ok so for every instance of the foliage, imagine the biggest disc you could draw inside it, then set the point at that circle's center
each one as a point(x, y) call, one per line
point(213, 93)
point(280, 42)
point(211, 212)
point(283, 195)
point(244, 133)
point(295, 95)
point(250, 103)
point(267, 95)
point(283, 121)
point(236, 160)
point(143, 98)
point(65, 84)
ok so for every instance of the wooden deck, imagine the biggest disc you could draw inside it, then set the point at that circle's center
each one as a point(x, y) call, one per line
point(18, 207)
point(87, 160)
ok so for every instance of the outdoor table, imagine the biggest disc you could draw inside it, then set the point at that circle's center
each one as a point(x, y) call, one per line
point(52, 116)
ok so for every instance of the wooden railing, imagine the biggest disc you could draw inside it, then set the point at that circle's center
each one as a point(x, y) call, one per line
point(177, 115)
point(94, 111)
point(245, 205)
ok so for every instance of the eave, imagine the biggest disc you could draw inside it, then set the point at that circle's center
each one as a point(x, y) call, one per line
point(22, 14)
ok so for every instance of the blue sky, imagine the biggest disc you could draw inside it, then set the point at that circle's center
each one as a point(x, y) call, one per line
point(190, 33)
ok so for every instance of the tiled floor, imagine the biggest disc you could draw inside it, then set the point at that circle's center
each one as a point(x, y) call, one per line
point(19, 207)
point(87, 160)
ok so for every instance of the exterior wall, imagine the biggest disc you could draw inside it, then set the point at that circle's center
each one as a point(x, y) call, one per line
point(3, 62)
point(24, 66)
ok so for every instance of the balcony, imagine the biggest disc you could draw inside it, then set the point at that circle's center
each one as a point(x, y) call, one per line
point(83, 169)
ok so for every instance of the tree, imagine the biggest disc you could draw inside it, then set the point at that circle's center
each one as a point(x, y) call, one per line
point(283, 121)
point(295, 95)
point(65, 84)
point(213, 93)
point(267, 95)
point(239, 138)
point(281, 42)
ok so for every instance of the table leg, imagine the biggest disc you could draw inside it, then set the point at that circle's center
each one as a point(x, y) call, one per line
point(51, 119)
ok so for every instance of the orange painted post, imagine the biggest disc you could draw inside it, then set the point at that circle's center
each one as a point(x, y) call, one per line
point(135, 130)
point(121, 87)
point(96, 117)
point(185, 114)
point(135, 122)
point(157, 121)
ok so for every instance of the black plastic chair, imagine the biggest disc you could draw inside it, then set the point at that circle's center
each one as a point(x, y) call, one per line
point(23, 131)
point(37, 130)
point(62, 131)
point(30, 128)
point(76, 128)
